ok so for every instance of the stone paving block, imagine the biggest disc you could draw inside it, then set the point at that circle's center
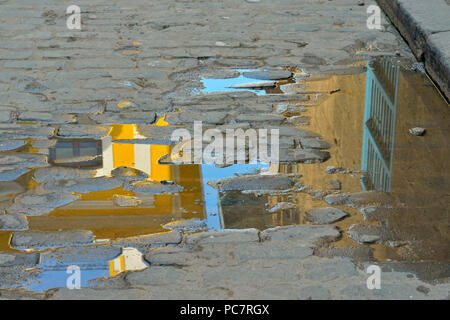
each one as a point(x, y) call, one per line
point(38, 202)
point(9, 145)
point(10, 259)
point(70, 131)
point(156, 276)
point(302, 155)
point(325, 215)
point(257, 182)
point(11, 277)
point(82, 185)
point(222, 237)
point(125, 118)
point(424, 25)
point(24, 160)
point(152, 187)
point(163, 238)
point(437, 60)
point(45, 117)
point(271, 251)
point(187, 117)
point(19, 131)
point(417, 20)
point(32, 65)
point(82, 254)
point(306, 233)
point(13, 222)
point(60, 173)
point(50, 239)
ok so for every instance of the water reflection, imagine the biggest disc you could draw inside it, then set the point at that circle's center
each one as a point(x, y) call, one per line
point(232, 84)
point(372, 140)
point(76, 153)
point(380, 114)
point(125, 147)
point(52, 272)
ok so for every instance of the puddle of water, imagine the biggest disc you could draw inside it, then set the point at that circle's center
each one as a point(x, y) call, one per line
point(367, 123)
point(219, 85)
point(97, 211)
point(52, 273)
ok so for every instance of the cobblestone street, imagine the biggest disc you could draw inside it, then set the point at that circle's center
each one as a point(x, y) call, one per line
point(88, 175)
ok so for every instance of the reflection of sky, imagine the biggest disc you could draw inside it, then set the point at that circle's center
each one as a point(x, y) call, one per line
point(216, 85)
point(52, 272)
point(211, 195)
point(55, 275)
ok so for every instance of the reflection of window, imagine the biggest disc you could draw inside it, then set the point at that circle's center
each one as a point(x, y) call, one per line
point(75, 153)
point(379, 125)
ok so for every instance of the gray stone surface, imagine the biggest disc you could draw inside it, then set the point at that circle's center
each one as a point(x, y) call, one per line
point(10, 259)
point(13, 222)
point(126, 201)
point(83, 185)
point(8, 145)
point(11, 277)
point(325, 215)
point(40, 239)
point(255, 85)
point(83, 254)
point(357, 253)
point(66, 75)
point(163, 238)
point(59, 173)
point(417, 20)
point(128, 174)
point(10, 188)
point(360, 199)
point(9, 173)
point(225, 236)
point(70, 131)
point(437, 60)
point(125, 118)
point(189, 225)
point(38, 202)
point(272, 251)
point(46, 117)
point(281, 206)
point(301, 233)
point(257, 182)
point(152, 187)
point(23, 160)
point(364, 234)
point(155, 276)
point(314, 293)
point(268, 74)
point(303, 155)
point(424, 25)
point(20, 131)
point(186, 117)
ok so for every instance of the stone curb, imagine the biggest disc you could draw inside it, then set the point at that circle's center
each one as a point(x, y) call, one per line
point(424, 25)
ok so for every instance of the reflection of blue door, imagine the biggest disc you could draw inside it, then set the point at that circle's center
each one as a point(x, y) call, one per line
point(379, 125)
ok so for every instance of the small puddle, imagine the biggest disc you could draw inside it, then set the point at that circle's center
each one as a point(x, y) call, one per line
point(54, 270)
point(241, 82)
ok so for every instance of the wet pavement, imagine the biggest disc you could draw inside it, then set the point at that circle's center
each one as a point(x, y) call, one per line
point(89, 176)
point(409, 224)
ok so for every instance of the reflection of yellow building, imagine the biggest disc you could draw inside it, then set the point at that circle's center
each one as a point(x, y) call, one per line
point(143, 157)
point(97, 211)
point(129, 260)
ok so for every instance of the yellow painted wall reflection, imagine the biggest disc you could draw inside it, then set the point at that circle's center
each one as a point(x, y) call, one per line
point(97, 211)
point(129, 260)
